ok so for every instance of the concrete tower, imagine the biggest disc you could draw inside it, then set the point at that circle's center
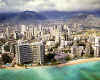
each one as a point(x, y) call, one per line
point(97, 47)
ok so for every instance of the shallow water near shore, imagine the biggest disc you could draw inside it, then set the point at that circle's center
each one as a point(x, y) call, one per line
point(85, 71)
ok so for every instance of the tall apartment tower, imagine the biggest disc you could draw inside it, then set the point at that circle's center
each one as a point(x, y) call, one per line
point(23, 54)
point(29, 33)
point(7, 32)
point(23, 29)
point(38, 51)
point(97, 47)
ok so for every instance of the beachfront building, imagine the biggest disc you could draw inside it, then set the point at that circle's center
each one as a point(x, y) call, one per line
point(23, 54)
point(97, 47)
point(38, 51)
point(78, 51)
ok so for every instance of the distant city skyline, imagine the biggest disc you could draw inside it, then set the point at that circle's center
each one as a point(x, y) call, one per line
point(48, 5)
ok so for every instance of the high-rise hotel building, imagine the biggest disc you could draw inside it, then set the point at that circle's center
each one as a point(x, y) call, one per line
point(38, 51)
point(97, 47)
point(30, 53)
point(23, 54)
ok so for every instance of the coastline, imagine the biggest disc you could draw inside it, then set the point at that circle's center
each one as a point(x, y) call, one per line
point(79, 61)
point(69, 63)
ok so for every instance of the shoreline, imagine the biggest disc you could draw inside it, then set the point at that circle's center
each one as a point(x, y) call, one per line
point(69, 63)
point(79, 61)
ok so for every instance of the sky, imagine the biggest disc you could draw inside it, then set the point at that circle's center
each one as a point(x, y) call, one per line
point(48, 5)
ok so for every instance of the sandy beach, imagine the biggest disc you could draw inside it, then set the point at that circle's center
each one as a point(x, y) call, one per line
point(79, 61)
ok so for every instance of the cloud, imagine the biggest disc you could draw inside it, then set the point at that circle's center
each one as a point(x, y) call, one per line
point(2, 4)
point(41, 5)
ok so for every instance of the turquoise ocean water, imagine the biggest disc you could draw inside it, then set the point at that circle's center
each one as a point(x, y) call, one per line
point(86, 71)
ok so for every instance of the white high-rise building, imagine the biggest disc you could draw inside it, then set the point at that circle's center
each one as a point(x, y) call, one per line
point(23, 29)
point(2, 35)
point(29, 33)
point(69, 31)
point(38, 51)
point(97, 47)
point(62, 44)
point(7, 32)
point(2, 49)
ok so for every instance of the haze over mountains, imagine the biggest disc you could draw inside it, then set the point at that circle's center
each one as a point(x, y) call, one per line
point(67, 15)
point(21, 17)
point(86, 20)
point(84, 17)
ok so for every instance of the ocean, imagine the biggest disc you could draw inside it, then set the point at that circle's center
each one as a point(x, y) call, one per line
point(85, 71)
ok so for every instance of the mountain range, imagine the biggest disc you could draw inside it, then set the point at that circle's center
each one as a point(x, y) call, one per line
point(21, 17)
point(67, 15)
point(85, 20)
point(31, 16)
